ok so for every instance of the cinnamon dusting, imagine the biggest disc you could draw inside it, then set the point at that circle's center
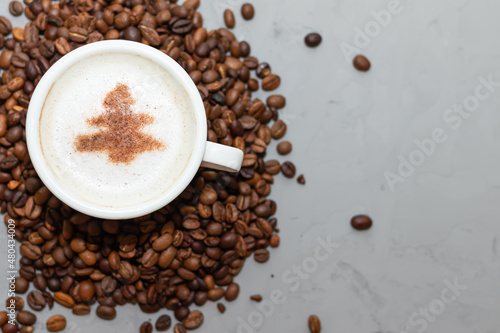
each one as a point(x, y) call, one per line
point(121, 135)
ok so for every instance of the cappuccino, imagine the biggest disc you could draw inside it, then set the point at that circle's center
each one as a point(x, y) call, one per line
point(117, 130)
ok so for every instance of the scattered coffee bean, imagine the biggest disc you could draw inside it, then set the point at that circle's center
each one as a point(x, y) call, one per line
point(288, 169)
point(163, 323)
point(229, 18)
point(284, 148)
point(247, 11)
point(256, 298)
point(361, 222)
point(16, 8)
point(301, 179)
point(221, 307)
point(313, 39)
point(314, 324)
point(361, 63)
point(56, 323)
point(146, 327)
point(26, 318)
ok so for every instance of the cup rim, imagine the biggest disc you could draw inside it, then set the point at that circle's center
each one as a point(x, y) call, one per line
point(33, 129)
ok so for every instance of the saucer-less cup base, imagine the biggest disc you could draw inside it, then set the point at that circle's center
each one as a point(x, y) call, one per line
point(206, 154)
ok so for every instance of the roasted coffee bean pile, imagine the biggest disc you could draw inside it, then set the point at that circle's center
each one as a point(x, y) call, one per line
point(189, 251)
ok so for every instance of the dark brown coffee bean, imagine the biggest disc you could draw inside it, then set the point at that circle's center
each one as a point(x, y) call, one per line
point(22, 285)
point(261, 255)
point(361, 222)
point(271, 82)
point(229, 18)
point(301, 180)
point(133, 34)
point(256, 298)
point(163, 323)
point(106, 312)
point(288, 169)
point(26, 318)
point(36, 300)
point(10, 328)
point(361, 63)
point(5, 26)
point(179, 328)
point(181, 27)
point(313, 39)
point(284, 148)
point(181, 312)
point(232, 292)
point(278, 129)
point(193, 320)
point(247, 11)
point(56, 323)
point(221, 307)
point(146, 327)
point(314, 324)
point(16, 8)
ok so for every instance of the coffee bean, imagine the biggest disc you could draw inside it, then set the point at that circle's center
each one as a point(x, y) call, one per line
point(146, 327)
point(18, 303)
point(26, 318)
point(288, 169)
point(361, 222)
point(36, 300)
point(22, 285)
point(229, 18)
point(271, 82)
point(221, 307)
point(106, 312)
point(193, 320)
point(10, 328)
point(247, 11)
point(256, 298)
point(313, 39)
point(284, 148)
point(56, 323)
point(163, 323)
point(81, 310)
point(5, 26)
point(261, 255)
point(16, 8)
point(4, 317)
point(232, 292)
point(64, 299)
point(278, 129)
point(314, 324)
point(132, 33)
point(179, 328)
point(87, 290)
point(301, 180)
point(361, 63)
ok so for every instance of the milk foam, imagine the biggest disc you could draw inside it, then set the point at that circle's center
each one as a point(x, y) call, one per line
point(78, 95)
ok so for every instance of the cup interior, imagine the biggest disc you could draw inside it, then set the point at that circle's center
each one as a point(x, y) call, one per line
point(33, 136)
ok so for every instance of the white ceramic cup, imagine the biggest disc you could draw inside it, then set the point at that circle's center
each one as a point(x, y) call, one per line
point(204, 153)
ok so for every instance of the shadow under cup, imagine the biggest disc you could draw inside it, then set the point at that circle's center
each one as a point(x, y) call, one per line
point(86, 95)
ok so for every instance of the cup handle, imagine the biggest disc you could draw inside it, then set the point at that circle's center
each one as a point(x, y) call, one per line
point(221, 157)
